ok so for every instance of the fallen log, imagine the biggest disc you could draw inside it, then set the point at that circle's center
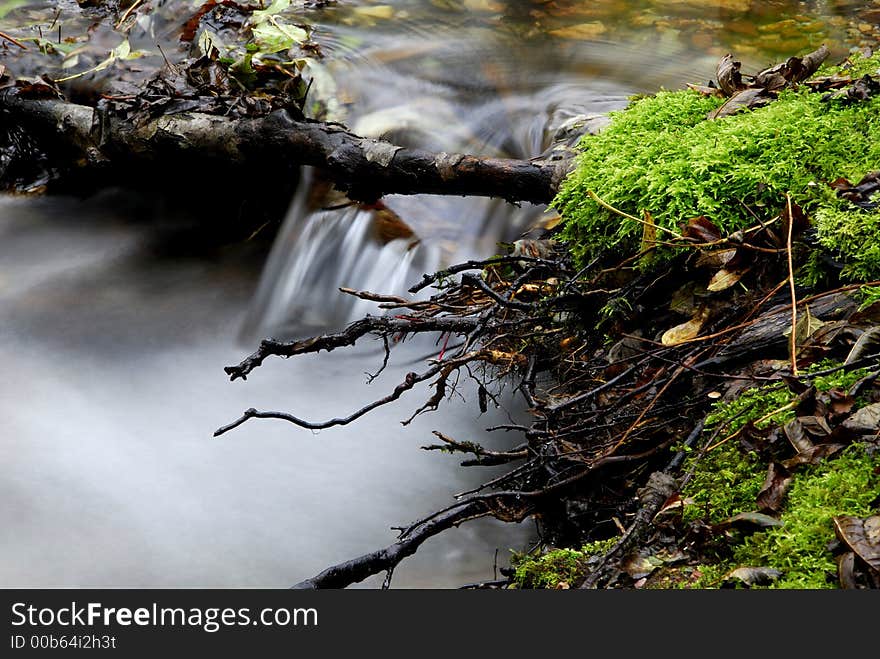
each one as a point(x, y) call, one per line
point(364, 168)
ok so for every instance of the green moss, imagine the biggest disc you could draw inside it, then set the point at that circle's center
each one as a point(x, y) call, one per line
point(845, 485)
point(853, 236)
point(867, 295)
point(752, 405)
point(726, 481)
point(554, 567)
point(662, 156)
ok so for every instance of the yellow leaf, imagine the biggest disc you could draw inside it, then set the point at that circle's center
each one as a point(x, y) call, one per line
point(724, 279)
point(686, 331)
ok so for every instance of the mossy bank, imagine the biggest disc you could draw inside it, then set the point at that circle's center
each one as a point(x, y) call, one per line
point(662, 157)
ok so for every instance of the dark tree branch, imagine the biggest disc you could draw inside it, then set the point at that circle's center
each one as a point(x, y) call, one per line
point(358, 569)
point(364, 168)
point(347, 337)
point(429, 279)
point(411, 380)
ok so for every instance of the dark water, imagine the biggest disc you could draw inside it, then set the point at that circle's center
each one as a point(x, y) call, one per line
point(113, 342)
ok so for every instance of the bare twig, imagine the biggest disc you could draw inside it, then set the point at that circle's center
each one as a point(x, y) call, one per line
point(793, 338)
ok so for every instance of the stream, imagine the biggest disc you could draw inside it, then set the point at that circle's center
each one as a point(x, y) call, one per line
point(113, 339)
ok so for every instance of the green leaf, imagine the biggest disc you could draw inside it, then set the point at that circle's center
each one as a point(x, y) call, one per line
point(274, 36)
point(263, 15)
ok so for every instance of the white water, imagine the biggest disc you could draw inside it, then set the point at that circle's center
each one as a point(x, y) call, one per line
point(112, 387)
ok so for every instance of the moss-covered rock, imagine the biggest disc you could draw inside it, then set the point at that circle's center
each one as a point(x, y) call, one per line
point(663, 156)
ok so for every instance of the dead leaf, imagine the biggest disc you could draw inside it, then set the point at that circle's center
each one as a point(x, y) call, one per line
point(637, 566)
point(728, 75)
point(859, 194)
point(724, 279)
point(845, 570)
point(705, 90)
point(813, 455)
point(674, 503)
point(807, 326)
point(841, 402)
point(746, 99)
point(700, 229)
point(809, 64)
point(816, 427)
point(868, 343)
point(869, 315)
point(794, 431)
point(864, 421)
point(687, 330)
point(749, 522)
point(753, 576)
point(774, 488)
point(716, 258)
point(862, 536)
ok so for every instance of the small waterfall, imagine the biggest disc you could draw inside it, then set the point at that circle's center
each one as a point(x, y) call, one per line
point(314, 255)
point(494, 110)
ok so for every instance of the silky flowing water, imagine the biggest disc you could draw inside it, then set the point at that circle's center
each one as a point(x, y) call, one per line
point(113, 336)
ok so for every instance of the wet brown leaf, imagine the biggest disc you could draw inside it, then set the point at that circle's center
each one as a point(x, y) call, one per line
point(801, 68)
point(870, 315)
point(841, 401)
point(825, 83)
point(815, 426)
point(792, 71)
point(684, 299)
point(705, 90)
point(728, 74)
point(638, 566)
point(807, 325)
point(701, 229)
point(862, 536)
point(807, 403)
point(716, 258)
point(864, 421)
point(36, 89)
point(812, 456)
point(845, 571)
point(746, 99)
point(774, 488)
point(867, 344)
point(628, 346)
point(859, 194)
point(862, 89)
point(794, 431)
